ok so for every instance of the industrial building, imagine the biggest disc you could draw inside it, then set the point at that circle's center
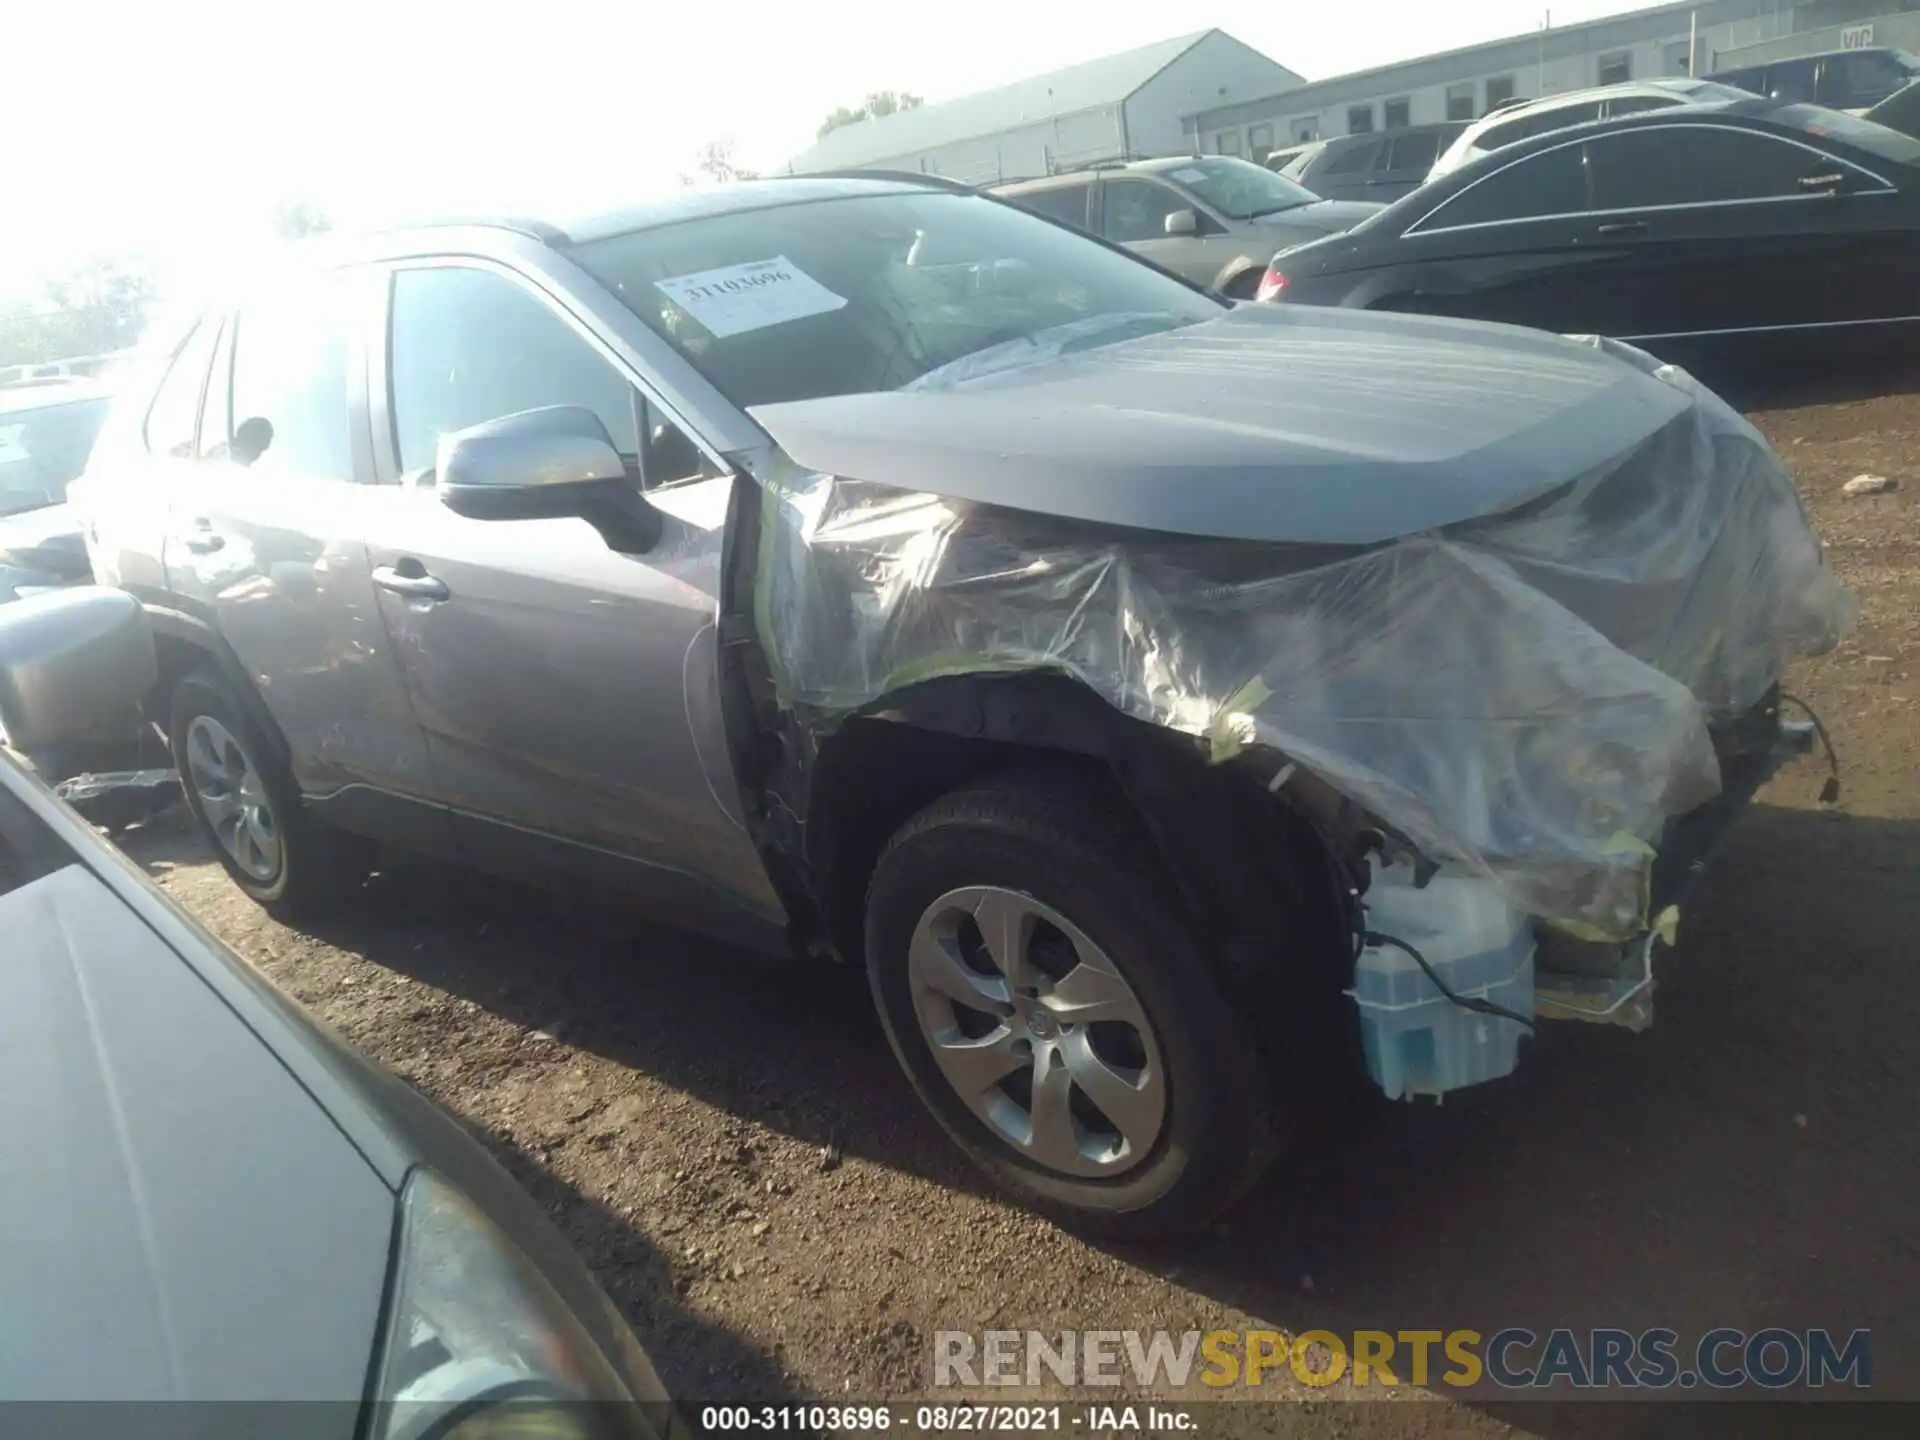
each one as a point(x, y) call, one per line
point(1678, 39)
point(1133, 104)
point(1207, 92)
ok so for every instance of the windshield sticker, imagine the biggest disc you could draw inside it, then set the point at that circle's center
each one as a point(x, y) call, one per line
point(1190, 176)
point(739, 298)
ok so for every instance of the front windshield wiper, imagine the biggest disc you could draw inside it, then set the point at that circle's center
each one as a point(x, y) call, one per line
point(1274, 209)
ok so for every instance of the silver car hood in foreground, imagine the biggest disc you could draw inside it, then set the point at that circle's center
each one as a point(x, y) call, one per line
point(1270, 423)
point(134, 1267)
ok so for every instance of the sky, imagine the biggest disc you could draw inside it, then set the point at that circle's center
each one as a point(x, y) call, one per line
point(171, 134)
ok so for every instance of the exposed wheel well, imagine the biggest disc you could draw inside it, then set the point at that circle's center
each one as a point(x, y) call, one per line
point(1261, 883)
point(180, 653)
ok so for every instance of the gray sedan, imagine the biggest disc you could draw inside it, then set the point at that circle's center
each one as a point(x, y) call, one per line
point(1211, 219)
point(208, 1196)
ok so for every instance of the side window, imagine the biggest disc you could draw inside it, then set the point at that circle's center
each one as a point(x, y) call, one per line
point(1354, 159)
point(176, 404)
point(1137, 210)
point(1415, 151)
point(1696, 166)
point(470, 345)
point(1863, 78)
point(290, 370)
point(1792, 80)
point(1068, 203)
point(1551, 183)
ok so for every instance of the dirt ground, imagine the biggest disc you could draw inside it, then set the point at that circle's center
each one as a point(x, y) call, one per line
point(728, 1142)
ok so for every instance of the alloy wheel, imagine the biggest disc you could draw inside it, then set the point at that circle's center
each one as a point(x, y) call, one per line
point(1037, 1031)
point(233, 798)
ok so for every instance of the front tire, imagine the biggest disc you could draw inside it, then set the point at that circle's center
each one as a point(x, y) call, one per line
point(248, 806)
point(1046, 996)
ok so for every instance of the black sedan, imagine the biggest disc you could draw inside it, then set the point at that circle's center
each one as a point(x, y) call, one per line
point(1697, 232)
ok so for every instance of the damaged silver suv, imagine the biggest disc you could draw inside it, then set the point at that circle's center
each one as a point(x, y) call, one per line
point(1173, 705)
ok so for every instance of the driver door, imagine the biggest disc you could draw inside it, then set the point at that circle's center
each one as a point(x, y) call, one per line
point(569, 694)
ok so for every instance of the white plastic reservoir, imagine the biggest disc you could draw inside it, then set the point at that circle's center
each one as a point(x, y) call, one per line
point(1417, 1041)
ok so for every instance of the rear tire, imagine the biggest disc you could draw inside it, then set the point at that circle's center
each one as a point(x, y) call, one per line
point(249, 808)
point(1147, 1121)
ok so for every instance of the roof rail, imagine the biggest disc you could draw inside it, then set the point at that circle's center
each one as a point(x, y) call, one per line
point(519, 224)
point(904, 177)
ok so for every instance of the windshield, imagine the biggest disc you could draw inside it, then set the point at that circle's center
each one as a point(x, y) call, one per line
point(874, 292)
point(43, 449)
point(1238, 189)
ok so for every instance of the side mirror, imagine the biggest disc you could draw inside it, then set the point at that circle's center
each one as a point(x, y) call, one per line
point(1182, 222)
point(250, 440)
point(74, 666)
point(546, 464)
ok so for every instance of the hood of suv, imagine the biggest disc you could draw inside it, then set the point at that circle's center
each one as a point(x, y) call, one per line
point(1271, 423)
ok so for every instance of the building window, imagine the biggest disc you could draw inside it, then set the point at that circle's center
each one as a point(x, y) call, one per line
point(1677, 58)
point(1499, 91)
point(1396, 114)
point(1227, 142)
point(1459, 102)
point(1260, 143)
point(1359, 119)
point(1307, 130)
point(1617, 68)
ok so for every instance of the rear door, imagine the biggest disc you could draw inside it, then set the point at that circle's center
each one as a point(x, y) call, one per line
point(270, 547)
point(1403, 165)
point(569, 694)
point(1708, 229)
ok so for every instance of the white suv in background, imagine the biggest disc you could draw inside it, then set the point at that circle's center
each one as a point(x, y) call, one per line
point(1523, 119)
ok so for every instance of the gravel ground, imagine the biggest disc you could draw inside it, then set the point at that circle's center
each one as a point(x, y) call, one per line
point(728, 1142)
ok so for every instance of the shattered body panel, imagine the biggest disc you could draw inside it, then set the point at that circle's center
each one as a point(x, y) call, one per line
point(1511, 644)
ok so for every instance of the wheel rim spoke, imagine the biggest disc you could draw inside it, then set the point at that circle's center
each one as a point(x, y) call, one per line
point(1089, 993)
point(934, 963)
point(1054, 1139)
point(1132, 1102)
point(1006, 922)
point(976, 1066)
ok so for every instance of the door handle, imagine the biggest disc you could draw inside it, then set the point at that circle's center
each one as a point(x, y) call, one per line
point(1623, 227)
point(411, 580)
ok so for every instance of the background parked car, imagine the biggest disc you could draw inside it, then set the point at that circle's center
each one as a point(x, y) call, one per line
point(1899, 111)
point(1838, 79)
point(47, 430)
point(1380, 167)
point(1523, 119)
point(1700, 234)
point(1213, 219)
point(208, 1196)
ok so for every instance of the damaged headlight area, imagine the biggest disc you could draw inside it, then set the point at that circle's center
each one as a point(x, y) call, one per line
point(479, 1345)
point(1528, 700)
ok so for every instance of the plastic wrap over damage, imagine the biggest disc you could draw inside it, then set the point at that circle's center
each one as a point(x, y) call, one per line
point(1527, 694)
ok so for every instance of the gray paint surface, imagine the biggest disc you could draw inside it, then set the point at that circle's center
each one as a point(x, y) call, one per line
point(169, 1186)
point(1271, 423)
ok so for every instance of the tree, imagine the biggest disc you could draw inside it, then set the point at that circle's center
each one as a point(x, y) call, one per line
point(876, 105)
point(716, 165)
point(98, 307)
point(298, 219)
